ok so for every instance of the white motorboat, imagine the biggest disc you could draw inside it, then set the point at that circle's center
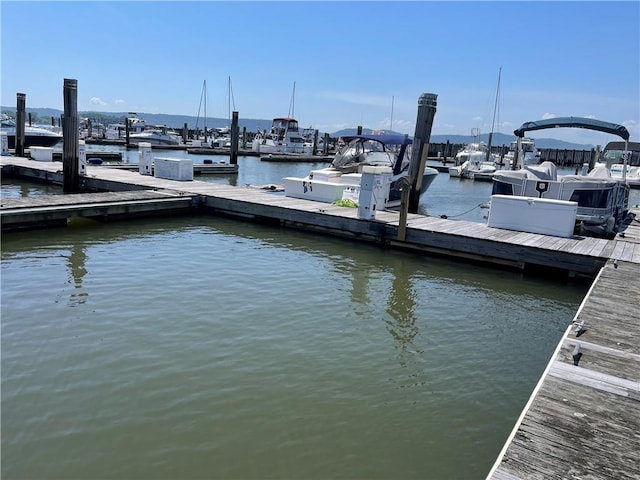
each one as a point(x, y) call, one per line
point(283, 137)
point(528, 154)
point(157, 136)
point(602, 201)
point(34, 136)
point(342, 179)
point(471, 159)
point(613, 157)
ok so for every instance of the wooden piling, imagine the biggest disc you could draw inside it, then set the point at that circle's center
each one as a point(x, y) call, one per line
point(21, 102)
point(235, 133)
point(71, 178)
point(410, 195)
point(426, 112)
point(127, 127)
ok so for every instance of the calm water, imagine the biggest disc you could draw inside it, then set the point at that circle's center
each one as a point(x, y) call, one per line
point(201, 347)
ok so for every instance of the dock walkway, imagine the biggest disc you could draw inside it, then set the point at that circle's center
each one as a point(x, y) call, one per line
point(577, 255)
point(583, 419)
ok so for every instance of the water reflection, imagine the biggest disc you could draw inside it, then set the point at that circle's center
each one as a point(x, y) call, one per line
point(401, 307)
point(77, 270)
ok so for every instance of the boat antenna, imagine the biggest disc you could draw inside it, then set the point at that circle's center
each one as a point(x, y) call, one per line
point(293, 102)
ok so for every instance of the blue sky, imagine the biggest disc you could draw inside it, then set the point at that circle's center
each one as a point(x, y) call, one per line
point(351, 61)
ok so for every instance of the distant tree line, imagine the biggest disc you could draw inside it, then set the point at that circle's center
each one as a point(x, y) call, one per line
point(95, 117)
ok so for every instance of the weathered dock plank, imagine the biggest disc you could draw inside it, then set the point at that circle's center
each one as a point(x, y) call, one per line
point(54, 210)
point(583, 419)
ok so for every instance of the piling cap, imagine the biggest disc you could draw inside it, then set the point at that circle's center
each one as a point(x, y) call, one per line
point(430, 99)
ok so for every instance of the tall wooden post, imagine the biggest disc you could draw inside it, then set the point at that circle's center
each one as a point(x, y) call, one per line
point(410, 196)
point(235, 136)
point(427, 104)
point(70, 176)
point(315, 142)
point(244, 137)
point(127, 127)
point(21, 101)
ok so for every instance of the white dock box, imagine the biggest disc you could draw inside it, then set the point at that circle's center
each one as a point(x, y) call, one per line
point(533, 215)
point(4, 144)
point(374, 190)
point(82, 157)
point(145, 160)
point(41, 154)
point(173, 168)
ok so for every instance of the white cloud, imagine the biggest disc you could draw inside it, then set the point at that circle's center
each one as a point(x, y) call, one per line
point(97, 101)
point(119, 102)
point(547, 116)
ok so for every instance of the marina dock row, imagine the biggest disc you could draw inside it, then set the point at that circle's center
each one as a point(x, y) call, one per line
point(583, 418)
point(575, 256)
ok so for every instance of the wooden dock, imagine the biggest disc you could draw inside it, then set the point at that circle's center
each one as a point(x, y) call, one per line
point(295, 157)
point(575, 256)
point(217, 168)
point(583, 418)
point(55, 210)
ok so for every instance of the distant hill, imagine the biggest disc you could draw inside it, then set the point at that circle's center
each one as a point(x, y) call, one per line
point(253, 125)
point(498, 139)
point(172, 121)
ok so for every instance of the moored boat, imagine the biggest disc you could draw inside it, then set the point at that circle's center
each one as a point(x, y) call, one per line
point(602, 201)
point(613, 157)
point(342, 179)
point(34, 136)
point(284, 136)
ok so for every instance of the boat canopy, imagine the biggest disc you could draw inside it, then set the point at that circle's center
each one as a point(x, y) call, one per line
point(574, 122)
point(386, 138)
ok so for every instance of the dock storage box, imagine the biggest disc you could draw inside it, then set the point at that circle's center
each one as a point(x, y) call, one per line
point(145, 160)
point(4, 144)
point(533, 215)
point(374, 190)
point(173, 168)
point(41, 154)
point(82, 158)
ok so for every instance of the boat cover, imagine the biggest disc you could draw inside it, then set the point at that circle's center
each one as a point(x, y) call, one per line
point(574, 122)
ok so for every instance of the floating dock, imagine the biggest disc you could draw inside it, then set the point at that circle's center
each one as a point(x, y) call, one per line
point(583, 418)
point(295, 157)
point(575, 256)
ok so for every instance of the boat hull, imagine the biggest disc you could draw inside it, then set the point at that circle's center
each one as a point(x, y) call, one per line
point(34, 140)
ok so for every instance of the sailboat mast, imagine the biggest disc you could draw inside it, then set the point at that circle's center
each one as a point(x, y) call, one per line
point(292, 105)
point(495, 110)
point(204, 91)
point(391, 121)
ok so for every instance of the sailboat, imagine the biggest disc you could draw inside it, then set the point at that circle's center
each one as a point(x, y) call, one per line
point(203, 100)
point(475, 160)
point(223, 135)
